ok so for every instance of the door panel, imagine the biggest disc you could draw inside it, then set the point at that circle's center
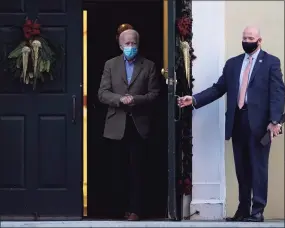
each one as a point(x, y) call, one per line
point(172, 179)
point(41, 159)
point(179, 120)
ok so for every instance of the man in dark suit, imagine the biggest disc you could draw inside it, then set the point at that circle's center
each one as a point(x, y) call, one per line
point(255, 103)
point(129, 86)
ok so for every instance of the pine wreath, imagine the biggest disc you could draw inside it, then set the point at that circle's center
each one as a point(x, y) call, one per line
point(33, 59)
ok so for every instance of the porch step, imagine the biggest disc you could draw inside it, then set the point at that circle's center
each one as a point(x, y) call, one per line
point(279, 223)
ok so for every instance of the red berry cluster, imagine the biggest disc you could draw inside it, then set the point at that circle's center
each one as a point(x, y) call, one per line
point(184, 26)
point(31, 29)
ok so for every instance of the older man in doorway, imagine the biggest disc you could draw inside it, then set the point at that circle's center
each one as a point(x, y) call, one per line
point(255, 103)
point(129, 86)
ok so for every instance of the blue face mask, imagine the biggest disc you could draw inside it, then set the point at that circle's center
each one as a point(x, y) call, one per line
point(130, 52)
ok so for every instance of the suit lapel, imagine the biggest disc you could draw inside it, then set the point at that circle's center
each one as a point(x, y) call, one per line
point(257, 65)
point(122, 69)
point(137, 69)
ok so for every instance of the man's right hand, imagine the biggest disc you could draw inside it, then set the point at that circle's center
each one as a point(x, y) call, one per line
point(127, 99)
point(184, 101)
point(274, 130)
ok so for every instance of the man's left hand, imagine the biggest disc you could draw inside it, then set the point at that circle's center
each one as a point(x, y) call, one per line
point(274, 129)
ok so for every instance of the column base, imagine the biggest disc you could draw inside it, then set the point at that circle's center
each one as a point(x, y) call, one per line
point(207, 210)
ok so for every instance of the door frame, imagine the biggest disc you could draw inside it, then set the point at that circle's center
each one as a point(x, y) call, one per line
point(169, 18)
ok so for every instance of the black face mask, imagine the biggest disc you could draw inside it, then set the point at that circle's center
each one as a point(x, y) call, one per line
point(249, 47)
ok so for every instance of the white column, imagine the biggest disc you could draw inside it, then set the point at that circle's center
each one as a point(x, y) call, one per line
point(209, 121)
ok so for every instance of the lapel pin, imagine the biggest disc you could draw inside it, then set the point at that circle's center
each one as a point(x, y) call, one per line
point(260, 60)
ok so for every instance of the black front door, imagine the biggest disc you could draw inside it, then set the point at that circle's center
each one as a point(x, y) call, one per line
point(40, 130)
point(173, 211)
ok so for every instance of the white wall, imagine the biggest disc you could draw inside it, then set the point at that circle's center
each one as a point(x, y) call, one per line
point(208, 122)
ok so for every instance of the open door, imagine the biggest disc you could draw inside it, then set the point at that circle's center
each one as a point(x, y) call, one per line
point(177, 61)
point(40, 129)
point(169, 73)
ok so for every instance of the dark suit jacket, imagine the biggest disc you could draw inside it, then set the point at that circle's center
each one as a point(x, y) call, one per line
point(265, 94)
point(144, 87)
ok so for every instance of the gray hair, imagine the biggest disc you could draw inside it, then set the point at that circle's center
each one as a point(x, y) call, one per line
point(134, 32)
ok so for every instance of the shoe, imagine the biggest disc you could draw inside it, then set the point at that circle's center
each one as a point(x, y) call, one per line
point(238, 217)
point(255, 218)
point(127, 214)
point(133, 217)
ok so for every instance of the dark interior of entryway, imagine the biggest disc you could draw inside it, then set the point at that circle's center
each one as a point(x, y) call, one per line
point(104, 17)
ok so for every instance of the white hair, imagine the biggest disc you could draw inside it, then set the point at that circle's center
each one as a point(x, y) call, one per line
point(132, 31)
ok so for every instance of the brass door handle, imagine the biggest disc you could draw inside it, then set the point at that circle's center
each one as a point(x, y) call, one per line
point(164, 72)
point(179, 110)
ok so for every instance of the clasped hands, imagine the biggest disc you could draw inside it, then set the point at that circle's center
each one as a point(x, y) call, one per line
point(127, 99)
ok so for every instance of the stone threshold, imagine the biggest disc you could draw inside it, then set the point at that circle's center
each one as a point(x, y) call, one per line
point(31, 224)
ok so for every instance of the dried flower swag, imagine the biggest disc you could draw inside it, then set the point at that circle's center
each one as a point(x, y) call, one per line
point(33, 58)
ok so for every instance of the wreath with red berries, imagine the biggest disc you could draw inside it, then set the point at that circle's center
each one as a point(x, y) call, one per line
point(33, 59)
point(184, 34)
